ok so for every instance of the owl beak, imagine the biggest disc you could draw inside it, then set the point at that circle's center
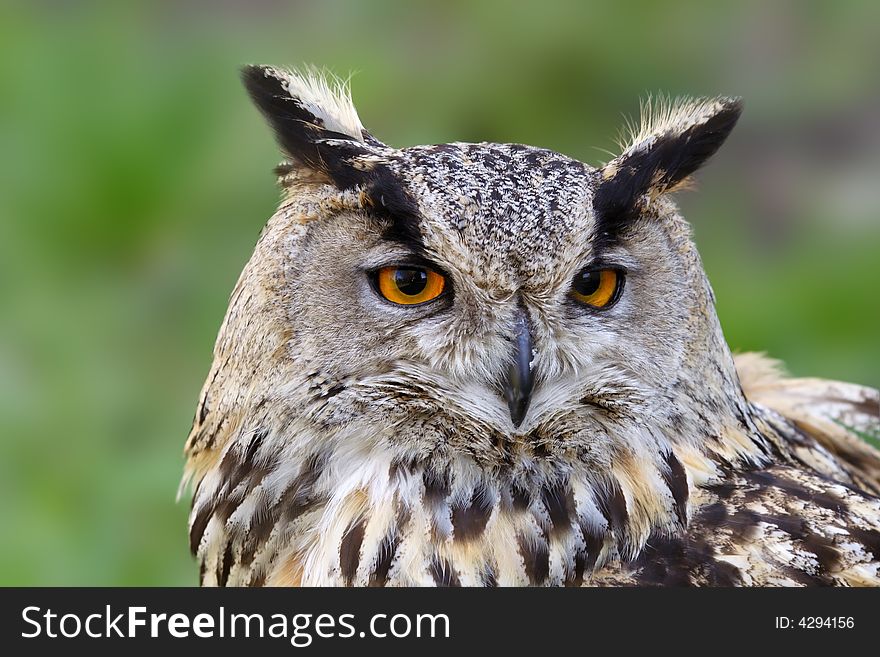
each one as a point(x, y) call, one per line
point(518, 386)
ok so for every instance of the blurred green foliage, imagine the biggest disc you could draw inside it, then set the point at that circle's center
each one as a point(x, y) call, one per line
point(134, 178)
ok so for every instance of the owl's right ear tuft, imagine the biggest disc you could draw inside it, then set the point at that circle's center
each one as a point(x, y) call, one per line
point(673, 140)
point(313, 118)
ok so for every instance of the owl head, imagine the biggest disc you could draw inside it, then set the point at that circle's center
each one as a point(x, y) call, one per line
point(474, 313)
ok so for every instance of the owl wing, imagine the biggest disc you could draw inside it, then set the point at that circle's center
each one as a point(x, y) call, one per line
point(780, 526)
point(841, 417)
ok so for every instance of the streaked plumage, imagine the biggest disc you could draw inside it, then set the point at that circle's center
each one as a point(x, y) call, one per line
point(343, 440)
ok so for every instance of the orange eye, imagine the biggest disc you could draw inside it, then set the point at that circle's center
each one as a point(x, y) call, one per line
point(597, 287)
point(409, 286)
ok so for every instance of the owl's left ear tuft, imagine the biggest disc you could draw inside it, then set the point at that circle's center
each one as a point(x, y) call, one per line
point(313, 118)
point(672, 141)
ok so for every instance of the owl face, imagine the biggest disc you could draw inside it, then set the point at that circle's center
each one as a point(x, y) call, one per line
point(497, 304)
point(542, 321)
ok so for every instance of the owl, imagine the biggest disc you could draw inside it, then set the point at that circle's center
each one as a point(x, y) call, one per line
point(481, 364)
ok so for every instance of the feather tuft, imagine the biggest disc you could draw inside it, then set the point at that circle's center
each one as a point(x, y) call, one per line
point(325, 95)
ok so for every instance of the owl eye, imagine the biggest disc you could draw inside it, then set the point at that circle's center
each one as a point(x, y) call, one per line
point(598, 288)
point(408, 286)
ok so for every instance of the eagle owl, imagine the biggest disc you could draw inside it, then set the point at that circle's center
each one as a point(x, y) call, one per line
point(491, 364)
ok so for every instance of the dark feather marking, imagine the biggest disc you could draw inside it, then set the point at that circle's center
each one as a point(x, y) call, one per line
point(233, 472)
point(468, 522)
point(436, 486)
point(443, 574)
point(743, 525)
point(299, 495)
point(332, 391)
point(388, 549)
point(724, 490)
point(203, 409)
point(221, 506)
point(826, 553)
point(207, 436)
point(390, 200)
point(387, 552)
point(794, 527)
point(197, 530)
point(576, 578)
point(225, 565)
point(594, 541)
point(870, 538)
point(612, 505)
point(663, 562)
point(766, 479)
point(683, 561)
point(802, 577)
point(676, 481)
point(402, 466)
point(255, 444)
point(712, 516)
point(296, 500)
point(257, 535)
point(559, 506)
point(536, 558)
point(488, 578)
point(868, 406)
point(503, 448)
point(520, 496)
point(540, 449)
point(350, 551)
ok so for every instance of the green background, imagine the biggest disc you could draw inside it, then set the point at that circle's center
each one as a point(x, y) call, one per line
point(134, 178)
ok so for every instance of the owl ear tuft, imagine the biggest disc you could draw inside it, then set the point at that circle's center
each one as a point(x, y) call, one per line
point(313, 118)
point(673, 140)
